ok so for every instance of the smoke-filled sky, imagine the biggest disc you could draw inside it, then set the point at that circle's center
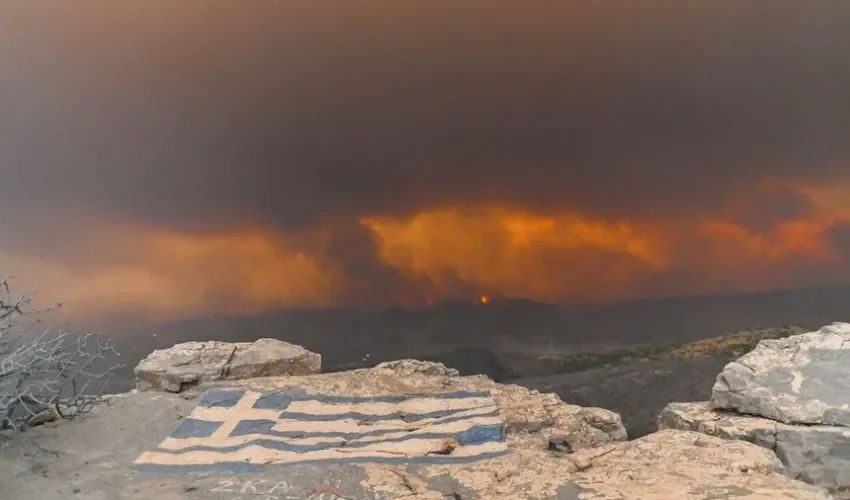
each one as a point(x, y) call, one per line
point(186, 157)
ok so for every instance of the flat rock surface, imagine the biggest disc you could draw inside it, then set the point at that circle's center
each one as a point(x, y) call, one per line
point(701, 417)
point(93, 457)
point(800, 379)
point(816, 454)
point(191, 363)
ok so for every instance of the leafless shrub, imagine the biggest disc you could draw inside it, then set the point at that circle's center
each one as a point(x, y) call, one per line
point(50, 375)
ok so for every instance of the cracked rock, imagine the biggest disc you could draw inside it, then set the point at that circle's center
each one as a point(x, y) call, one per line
point(191, 363)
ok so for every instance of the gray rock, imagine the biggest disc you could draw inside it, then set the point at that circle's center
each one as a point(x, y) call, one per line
point(412, 367)
point(801, 379)
point(191, 363)
point(270, 357)
point(700, 417)
point(816, 454)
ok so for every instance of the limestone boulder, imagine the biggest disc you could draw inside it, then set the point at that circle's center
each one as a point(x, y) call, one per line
point(816, 454)
point(790, 396)
point(191, 363)
point(802, 379)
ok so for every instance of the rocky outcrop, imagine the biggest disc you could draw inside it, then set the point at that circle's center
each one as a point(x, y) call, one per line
point(816, 454)
point(701, 417)
point(191, 363)
point(802, 379)
point(791, 396)
point(555, 451)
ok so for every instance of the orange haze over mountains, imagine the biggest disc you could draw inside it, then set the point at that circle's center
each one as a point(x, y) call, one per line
point(475, 254)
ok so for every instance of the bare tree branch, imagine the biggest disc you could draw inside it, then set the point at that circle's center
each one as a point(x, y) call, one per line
point(52, 376)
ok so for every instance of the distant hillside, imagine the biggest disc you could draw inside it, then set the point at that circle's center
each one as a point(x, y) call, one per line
point(527, 338)
point(517, 322)
point(638, 384)
point(724, 346)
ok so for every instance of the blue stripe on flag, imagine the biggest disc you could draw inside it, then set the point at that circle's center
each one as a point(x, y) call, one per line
point(280, 400)
point(266, 427)
point(356, 415)
point(478, 434)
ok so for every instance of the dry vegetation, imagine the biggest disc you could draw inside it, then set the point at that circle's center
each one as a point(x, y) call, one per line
point(725, 346)
point(736, 344)
point(46, 375)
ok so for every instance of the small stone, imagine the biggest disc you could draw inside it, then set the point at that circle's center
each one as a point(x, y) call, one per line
point(560, 444)
point(409, 367)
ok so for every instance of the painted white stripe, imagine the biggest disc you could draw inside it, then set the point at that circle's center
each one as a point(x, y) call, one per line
point(261, 455)
point(418, 405)
point(447, 428)
point(352, 425)
point(413, 406)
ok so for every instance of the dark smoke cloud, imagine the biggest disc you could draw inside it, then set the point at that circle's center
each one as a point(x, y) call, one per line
point(353, 249)
point(200, 114)
point(301, 114)
point(761, 208)
point(839, 234)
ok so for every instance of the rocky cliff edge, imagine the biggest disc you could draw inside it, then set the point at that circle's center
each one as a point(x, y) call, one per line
point(551, 449)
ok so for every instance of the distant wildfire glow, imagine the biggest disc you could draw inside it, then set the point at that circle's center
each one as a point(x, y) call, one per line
point(504, 253)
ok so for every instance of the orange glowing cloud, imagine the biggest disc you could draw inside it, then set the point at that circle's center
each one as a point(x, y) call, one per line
point(573, 256)
point(171, 274)
point(475, 254)
point(519, 254)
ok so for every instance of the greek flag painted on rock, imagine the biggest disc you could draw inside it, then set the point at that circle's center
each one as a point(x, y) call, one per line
point(240, 430)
